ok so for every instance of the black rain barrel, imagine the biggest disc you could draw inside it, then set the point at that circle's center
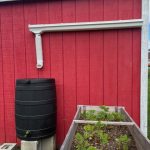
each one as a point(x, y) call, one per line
point(35, 108)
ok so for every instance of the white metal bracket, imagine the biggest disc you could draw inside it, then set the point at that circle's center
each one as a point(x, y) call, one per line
point(82, 26)
point(39, 53)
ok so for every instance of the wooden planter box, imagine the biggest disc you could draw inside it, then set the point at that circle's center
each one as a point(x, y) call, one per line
point(142, 143)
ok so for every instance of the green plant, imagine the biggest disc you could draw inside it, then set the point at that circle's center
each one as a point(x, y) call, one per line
point(99, 125)
point(81, 143)
point(118, 116)
point(101, 115)
point(83, 114)
point(103, 137)
point(91, 148)
point(123, 142)
point(110, 117)
point(89, 131)
point(89, 128)
point(89, 115)
point(104, 108)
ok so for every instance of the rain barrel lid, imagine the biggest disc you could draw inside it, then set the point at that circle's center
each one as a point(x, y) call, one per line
point(35, 80)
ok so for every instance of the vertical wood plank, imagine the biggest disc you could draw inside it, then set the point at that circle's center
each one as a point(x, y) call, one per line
point(69, 78)
point(110, 55)
point(125, 69)
point(82, 10)
point(2, 106)
point(82, 55)
point(96, 54)
point(125, 9)
point(136, 75)
point(8, 71)
point(125, 12)
point(57, 73)
point(55, 11)
point(96, 10)
point(68, 12)
point(110, 10)
point(19, 40)
point(43, 18)
point(137, 9)
point(136, 64)
point(110, 67)
point(30, 8)
point(56, 53)
point(96, 68)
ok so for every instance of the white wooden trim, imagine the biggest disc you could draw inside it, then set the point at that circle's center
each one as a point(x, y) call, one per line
point(7, 0)
point(82, 26)
point(105, 122)
point(144, 68)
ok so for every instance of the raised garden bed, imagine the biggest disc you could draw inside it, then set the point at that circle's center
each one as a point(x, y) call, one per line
point(104, 135)
point(114, 132)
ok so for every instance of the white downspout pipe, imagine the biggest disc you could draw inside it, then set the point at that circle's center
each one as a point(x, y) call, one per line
point(39, 51)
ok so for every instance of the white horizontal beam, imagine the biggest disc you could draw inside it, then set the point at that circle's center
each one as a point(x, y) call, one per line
point(7, 0)
point(82, 26)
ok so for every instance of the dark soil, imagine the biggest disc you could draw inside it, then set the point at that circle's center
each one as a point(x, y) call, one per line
point(113, 132)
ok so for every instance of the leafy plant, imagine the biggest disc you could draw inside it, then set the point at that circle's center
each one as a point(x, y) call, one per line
point(89, 128)
point(123, 142)
point(81, 143)
point(91, 148)
point(99, 125)
point(101, 115)
point(104, 108)
point(118, 116)
point(103, 137)
point(89, 115)
point(110, 117)
point(89, 131)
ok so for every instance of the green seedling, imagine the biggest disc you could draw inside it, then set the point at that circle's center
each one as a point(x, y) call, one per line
point(123, 142)
point(81, 143)
point(104, 108)
point(83, 114)
point(118, 116)
point(89, 128)
point(89, 131)
point(99, 125)
point(110, 117)
point(103, 137)
point(91, 148)
point(90, 115)
point(101, 115)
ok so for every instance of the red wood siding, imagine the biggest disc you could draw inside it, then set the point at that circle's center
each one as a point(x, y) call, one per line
point(94, 67)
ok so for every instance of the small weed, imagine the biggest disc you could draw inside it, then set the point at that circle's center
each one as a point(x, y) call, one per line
point(101, 115)
point(91, 148)
point(103, 137)
point(81, 143)
point(89, 115)
point(118, 116)
point(123, 142)
point(104, 108)
point(99, 125)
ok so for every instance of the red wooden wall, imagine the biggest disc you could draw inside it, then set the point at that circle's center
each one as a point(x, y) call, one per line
point(97, 67)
